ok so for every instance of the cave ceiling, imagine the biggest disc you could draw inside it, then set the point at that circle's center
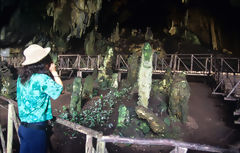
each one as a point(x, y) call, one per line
point(58, 21)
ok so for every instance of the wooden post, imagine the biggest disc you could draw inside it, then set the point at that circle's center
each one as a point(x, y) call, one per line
point(98, 62)
point(162, 64)
point(79, 74)
point(171, 62)
point(117, 66)
point(88, 146)
point(119, 76)
point(2, 140)
point(179, 150)
point(100, 146)
point(175, 62)
point(10, 128)
point(206, 65)
point(79, 61)
point(16, 122)
point(178, 64)
point(155, 61)
point(211, 63)
point(191, 63)
point(221, 64)
point(88, 57)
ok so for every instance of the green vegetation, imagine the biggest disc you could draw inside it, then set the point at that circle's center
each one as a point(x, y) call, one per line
point(123, 117)
point(99, 112)
point(7, 84)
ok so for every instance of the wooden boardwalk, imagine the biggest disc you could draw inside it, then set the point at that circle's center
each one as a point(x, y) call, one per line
point(226, 71)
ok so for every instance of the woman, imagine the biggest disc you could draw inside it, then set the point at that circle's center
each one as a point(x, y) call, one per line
point(35, 87)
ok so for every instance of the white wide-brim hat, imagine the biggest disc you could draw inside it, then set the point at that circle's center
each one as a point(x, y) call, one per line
point(35, 53)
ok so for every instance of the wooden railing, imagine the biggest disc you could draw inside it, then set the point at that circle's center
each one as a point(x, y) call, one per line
point(179, 146)
point(192, 64)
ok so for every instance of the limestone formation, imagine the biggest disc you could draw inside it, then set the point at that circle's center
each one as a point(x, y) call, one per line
point(87, 91)
point(123, 116)
point(132, 69)
point(106, 69)
point(114, 81)
point(178, 97)
point(115, 35)
point(148, 34)
point(156, 124)
point(89, 44)
point(145, 76)
point(76, 98)
point(72, 17)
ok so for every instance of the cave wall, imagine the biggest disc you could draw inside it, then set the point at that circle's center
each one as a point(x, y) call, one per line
point(55, 22)
point(214, 22)
point(46, 22)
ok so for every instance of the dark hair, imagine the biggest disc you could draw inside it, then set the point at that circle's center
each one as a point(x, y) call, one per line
point(41, 67)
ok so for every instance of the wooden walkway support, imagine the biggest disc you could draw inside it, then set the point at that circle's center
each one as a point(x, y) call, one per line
point(178, 146)
point(2, 140)
point(12, 121)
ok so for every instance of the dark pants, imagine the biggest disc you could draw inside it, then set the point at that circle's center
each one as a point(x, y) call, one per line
point(32, 138)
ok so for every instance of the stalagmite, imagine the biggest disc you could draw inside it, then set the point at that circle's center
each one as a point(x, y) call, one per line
point(76, 98)
point(132, 69)
point(145, 75)
point(104, 76)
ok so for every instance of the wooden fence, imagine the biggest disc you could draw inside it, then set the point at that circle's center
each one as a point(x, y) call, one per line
point(178, 146)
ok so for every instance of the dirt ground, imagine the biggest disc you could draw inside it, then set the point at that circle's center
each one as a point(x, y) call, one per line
point(211, 123)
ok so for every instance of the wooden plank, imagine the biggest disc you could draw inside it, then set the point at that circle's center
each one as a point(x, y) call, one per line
point(79, 128)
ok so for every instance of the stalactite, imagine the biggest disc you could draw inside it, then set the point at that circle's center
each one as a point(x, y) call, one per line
point(89, 43)
point(115, 35)
point(71, 18)
point(148, 34)
point(213, 34)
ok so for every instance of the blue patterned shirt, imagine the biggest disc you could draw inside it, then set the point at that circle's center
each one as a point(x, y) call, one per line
point(34, 104)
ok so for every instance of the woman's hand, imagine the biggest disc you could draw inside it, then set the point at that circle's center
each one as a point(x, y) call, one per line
point(52, 68)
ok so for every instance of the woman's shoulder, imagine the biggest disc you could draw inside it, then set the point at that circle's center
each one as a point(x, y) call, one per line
point(40, 76)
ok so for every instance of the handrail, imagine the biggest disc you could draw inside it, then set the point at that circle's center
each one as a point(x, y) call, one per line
point(165, 142)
